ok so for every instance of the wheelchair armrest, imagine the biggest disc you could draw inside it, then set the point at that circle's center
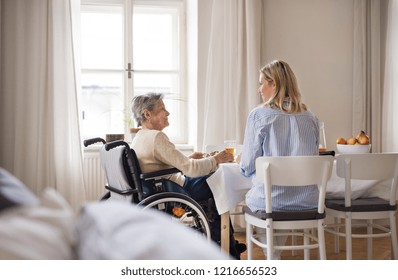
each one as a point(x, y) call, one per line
point(159, 173)
point(122, 192)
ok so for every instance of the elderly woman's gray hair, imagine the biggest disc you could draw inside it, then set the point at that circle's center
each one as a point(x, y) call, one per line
point(141, 102)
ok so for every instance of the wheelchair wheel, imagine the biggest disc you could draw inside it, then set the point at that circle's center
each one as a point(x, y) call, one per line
point(182, 208)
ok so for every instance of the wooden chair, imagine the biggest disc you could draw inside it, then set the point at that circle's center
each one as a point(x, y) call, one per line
point(370, 213)
point(292, 171)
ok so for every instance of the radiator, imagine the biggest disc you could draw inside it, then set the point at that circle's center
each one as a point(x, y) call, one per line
point(94, 176)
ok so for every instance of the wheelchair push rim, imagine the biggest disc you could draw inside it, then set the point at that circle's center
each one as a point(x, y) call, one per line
point(181, 208)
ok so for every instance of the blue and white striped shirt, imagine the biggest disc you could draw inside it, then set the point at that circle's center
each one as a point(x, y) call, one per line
point(271, 132)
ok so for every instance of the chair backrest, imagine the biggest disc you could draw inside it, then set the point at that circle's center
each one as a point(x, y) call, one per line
point(112, 164)
point(122, 170)
point(133, 169)
point(377, 166)
point(294, 171)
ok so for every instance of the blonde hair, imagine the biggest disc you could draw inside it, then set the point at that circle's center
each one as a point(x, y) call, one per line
point(287, 96)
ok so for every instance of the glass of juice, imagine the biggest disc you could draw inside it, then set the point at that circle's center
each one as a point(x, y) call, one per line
point(230, 146)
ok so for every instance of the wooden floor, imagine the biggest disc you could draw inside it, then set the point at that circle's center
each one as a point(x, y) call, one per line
point(381, 249)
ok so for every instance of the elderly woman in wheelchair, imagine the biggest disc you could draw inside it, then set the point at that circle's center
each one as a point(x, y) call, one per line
point(156, 152)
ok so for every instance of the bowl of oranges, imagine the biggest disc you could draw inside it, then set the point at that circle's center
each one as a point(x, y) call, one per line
point(354, 145)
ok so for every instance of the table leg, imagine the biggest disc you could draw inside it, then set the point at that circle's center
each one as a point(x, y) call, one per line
point(225, 232)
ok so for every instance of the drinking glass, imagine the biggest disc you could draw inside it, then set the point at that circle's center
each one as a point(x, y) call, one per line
point(230, 146)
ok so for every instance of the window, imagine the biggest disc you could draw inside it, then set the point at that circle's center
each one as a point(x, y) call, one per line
point(130, 48)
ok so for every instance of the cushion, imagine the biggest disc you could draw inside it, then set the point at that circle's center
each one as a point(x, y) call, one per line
point(13, 192)
point(361, 205)
point(120, 230)
point(38, 232)
point(310, 214)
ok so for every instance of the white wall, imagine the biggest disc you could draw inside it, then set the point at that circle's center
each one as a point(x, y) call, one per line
point(315, 37)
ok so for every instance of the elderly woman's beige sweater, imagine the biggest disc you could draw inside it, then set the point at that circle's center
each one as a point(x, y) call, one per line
point(155, 152)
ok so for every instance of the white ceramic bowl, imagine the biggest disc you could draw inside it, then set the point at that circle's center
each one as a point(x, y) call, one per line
point(353, 149)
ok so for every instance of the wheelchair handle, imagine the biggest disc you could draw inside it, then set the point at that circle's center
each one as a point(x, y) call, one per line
point(114, 144)
point(91, 141)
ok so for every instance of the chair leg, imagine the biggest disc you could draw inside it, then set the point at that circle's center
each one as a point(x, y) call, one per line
point(306, 242)
point(270, 241)
point(369, 231)
point(336, 237)
point(348, 236)
point(249, 243)
point(394, 242)
point(293, 243)
point(321, 241)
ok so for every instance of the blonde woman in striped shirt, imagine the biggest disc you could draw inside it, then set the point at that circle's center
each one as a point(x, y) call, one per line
point(281, 126)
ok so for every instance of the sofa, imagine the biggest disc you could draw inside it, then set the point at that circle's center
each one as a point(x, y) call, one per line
point(44, 227)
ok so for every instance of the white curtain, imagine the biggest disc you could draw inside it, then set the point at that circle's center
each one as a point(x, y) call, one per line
point(390, 98)
point(366, 66)
point(40, 141)
point(234, 59)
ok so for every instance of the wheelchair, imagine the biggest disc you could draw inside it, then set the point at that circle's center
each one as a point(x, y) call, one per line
point(125, 181)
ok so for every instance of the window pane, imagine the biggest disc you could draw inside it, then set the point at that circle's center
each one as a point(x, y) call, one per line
point(102, 37)
point(155, 38)
point(165, 83)
point(102, 103)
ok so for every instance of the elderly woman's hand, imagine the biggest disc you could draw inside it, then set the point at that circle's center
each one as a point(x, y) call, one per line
point(224, 156)
point(197, 155)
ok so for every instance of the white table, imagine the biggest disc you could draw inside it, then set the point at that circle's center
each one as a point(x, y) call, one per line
point(229, 187)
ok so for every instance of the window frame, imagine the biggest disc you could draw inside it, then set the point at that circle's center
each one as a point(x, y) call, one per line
point(128, 6)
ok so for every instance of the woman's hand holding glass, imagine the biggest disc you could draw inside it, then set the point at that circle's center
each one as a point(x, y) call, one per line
point(223, 157)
